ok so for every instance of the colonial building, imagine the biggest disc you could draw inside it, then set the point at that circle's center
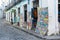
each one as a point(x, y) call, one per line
point(38, 15)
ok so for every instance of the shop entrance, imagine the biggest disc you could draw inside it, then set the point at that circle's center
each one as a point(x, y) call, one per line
point(59, 16)
point(11, 18)
point(14, 16)
point(34, 18)
point(59, 13)
point(25, 15)
point(34, 14)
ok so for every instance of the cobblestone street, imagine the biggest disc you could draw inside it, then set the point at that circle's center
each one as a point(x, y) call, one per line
point(7, 32)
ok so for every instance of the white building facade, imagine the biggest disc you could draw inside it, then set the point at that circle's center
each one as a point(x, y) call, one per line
point(47, 12)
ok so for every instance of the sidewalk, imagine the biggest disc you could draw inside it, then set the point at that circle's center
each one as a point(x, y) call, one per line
point(35, 34)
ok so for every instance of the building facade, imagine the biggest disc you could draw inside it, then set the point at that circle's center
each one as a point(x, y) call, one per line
point(37, 15)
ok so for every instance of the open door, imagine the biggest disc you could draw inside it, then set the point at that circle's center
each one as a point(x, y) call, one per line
point(14, 16)
point(34, 18)
point(59, 13)
point(25, 16)
point(34, 14)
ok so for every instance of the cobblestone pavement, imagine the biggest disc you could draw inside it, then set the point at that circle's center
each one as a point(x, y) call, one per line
point(7, 32)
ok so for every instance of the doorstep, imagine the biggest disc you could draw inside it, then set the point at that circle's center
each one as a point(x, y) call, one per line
point(36, 34)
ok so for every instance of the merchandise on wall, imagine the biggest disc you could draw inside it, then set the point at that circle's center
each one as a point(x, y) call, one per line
point(42, 23)
point(21, 19)
point(29, 20)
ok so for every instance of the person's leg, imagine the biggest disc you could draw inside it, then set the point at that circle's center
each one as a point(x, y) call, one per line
point(33, 24)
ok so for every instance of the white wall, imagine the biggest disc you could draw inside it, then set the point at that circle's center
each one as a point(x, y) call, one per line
point(43, 3)
point(57, 27)
point(53, 17)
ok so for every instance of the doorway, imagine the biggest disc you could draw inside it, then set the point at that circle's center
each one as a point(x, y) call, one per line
point(25, 15)
point(59, 13)
point(11, 18)
point(14, 16)
point(34, 14)
point(34, 18)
